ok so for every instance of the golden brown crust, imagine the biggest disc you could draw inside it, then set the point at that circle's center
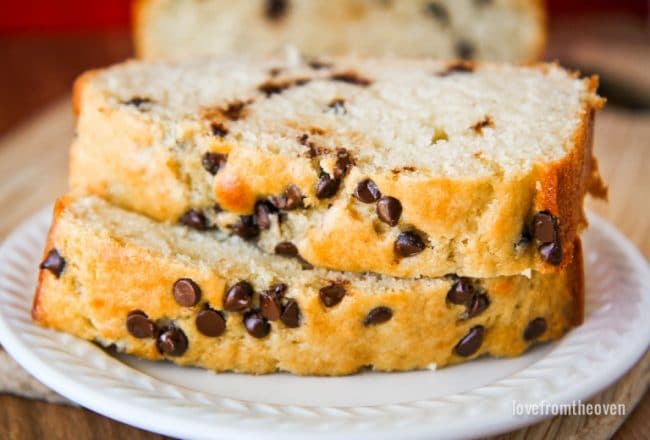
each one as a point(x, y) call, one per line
point(53, 302)
point(564, 184)
point(37, 312)
point(595, 185)
point(96, 169)
point(107, 276)
point(78, 88)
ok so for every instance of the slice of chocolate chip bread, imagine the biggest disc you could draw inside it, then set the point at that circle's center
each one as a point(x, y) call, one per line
point(404, 168)
point(506, 30)
point(169, 292)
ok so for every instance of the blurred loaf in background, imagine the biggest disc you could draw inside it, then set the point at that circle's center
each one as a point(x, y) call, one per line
point(499, 30)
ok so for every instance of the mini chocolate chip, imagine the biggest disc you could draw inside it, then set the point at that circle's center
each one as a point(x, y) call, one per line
point(343, 164)
point(270, 306)
point(366, 191)
point(471, 342)
point(535, 329)
point(218, 129)
point(172, 342)
point(291, 199)
point(389, 210)
point(461, 292)
point(286, 248)
point(234, 110)
point(483, 123)
point(439, 12)
point(332, 295)
point(139, 325)
point(210, 322)
point(459, 66)
point(194, 219)
point(318, 65)
point(276, 9)
point(53, 262)
point(263, 216)
point(270, 88)
point(351, 78)
point(291, 314)
point(256, 325)
point(239, 297)
point(465, 50)
point(137, 101)
point(409, 244)
point(301, 81)
point(546, 232)
point(303, 138)
point(246, 227)
point(551, 253)
point(545, 228)
point(464, 292)
point(263, 211)
point(186, 292)
point(477, 305)
point(378, 315)
point(337, 105)
point(279, 289)
point(213, 162)
point(326, 186)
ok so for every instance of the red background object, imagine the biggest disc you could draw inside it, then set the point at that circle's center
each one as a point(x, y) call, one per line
point(55, 16)
point(62, 16)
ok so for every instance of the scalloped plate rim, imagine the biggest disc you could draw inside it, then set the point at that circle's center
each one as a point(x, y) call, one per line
point(144, 417)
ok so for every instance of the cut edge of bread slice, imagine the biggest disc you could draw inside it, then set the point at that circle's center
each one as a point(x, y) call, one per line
point(138, 158)
point(118, 263)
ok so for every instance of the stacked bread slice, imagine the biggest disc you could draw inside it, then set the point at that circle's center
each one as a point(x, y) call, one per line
point(321, 216)
point(500, 30)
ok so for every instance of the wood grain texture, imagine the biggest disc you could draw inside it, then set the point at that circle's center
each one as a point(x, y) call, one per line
point(31, 419)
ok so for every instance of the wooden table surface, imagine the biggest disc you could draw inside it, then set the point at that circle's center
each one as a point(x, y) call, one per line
point(33, 158)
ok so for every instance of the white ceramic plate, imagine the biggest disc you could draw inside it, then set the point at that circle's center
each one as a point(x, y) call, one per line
point(468, 400)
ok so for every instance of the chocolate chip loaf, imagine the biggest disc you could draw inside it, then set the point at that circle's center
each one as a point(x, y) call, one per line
point(169, 292)
point(404, 168)
point(507, 30)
